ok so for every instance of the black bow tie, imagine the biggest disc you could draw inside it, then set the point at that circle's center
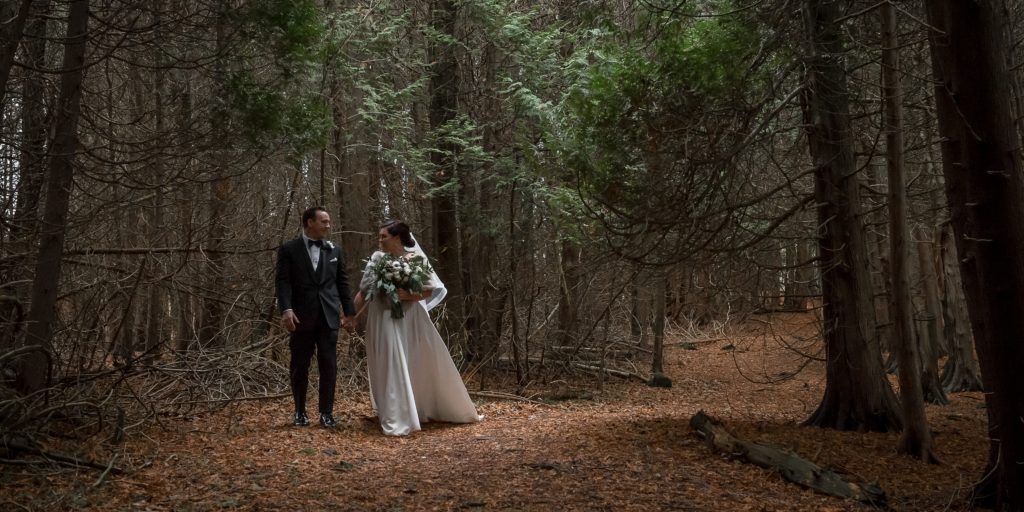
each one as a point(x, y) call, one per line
point(318, 243)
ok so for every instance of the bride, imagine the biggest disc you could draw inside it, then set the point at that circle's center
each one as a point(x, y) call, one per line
point(412, 377)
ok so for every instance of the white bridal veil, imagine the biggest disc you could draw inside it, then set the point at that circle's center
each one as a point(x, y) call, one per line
point(439, 289)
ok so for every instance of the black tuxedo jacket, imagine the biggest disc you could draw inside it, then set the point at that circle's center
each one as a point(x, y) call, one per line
point(310, 292)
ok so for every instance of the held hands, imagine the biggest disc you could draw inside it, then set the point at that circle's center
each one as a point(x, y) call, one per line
point(348, 323)
point(289, 320)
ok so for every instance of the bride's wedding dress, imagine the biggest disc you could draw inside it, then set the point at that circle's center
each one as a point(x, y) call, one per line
point(412, 376)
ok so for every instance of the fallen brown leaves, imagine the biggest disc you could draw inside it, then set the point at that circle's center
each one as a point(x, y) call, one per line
point(623, 446)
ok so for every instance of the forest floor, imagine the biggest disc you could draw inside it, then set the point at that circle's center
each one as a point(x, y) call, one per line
point(583, 445)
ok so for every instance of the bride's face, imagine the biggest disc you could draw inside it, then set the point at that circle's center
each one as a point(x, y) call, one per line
point(388, 242)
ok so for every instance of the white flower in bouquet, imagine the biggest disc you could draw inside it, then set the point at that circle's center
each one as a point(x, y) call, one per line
point(394, 273)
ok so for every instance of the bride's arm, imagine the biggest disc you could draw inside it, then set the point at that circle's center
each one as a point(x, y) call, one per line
point(405, 295)
point(359, 303)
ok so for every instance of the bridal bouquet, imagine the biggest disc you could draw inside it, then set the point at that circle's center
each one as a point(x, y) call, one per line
point(394, 273)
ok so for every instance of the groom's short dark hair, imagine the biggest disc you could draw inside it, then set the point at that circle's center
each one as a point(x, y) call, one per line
point(310, 213)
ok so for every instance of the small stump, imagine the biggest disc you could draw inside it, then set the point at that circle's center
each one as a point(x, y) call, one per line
point(659, 380)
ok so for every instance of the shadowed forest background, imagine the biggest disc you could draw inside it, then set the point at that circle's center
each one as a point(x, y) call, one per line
point(606, 187)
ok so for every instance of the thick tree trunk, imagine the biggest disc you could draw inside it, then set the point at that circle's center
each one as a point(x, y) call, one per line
point(13, 16)
point(33, 370)
point(31, 172)
point(658, 377)
point(936, 345)
point(485, 300)
point(879, 265)
point(33, 146)
point(156, 302)
point(520, 356)
point(857, 396)
point(985, 191)
point(791, 466)
point(211, 331)
point(961, 372)
point(916, 439)
point(358, 221)
point(929, 336)
point(444, 83)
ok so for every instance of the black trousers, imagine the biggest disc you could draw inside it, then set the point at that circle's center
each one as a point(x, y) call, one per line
point(323, 341)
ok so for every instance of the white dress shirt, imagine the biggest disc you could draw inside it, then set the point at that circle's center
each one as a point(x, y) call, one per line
point(312, 250)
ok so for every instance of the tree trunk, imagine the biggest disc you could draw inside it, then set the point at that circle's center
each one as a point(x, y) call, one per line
point(961, 372)
point(157, 300)
point(33, 370)
point(929, 336)
point(916, 439)
point(879, 266)
point(12, 25)
point(31, 172)
point(485, 301)
point(786, 463)
point(985, 191)
point(31, 161)
point(568, 294)
point(358, 219)
point(520, 356)
point(211, 331)
point(444, 83)
point(796, 290)
point(638, 316)
point(857, 396)
point(660, 290)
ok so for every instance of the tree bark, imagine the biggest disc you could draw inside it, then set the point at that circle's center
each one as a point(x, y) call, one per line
point(961, 372)
point(796, 289)
point(12, 25)
point(31, 161)
point(31, 171)
point(879, 267)
point(857, 396)
point(33, 369)
point(658, 377)
point(156, 302)
point(985, 191)
point(929, 336)
point(791, 466)
point(218, 200)
point(485, 301)
point(568, 294)
point(916, 439)
point(358, 219)
point(638, 316)
point(444, 83)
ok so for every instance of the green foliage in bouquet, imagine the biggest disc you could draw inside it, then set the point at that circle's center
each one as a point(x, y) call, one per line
point(394, 273)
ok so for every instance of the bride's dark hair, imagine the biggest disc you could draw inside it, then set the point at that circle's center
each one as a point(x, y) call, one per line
point(401, 230)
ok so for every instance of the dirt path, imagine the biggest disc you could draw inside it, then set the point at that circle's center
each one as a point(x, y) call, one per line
point(628, 447)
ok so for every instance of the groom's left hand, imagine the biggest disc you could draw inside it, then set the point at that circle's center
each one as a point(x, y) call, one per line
point(348, 323)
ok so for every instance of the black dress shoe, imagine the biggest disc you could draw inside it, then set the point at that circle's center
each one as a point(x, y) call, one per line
point(327, 420)
point(301, 420)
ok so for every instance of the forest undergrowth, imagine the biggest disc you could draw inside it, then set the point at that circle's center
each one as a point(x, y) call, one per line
point(580, 443)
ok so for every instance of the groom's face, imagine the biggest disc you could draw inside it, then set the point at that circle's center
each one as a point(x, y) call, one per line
point(319, 226)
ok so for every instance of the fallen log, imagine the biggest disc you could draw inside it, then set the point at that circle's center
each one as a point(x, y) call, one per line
point(790, 465)
point(66, 460)
point(506, 396)
point(611, 371)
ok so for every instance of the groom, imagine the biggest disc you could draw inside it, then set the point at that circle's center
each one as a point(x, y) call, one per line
point(312, 289)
